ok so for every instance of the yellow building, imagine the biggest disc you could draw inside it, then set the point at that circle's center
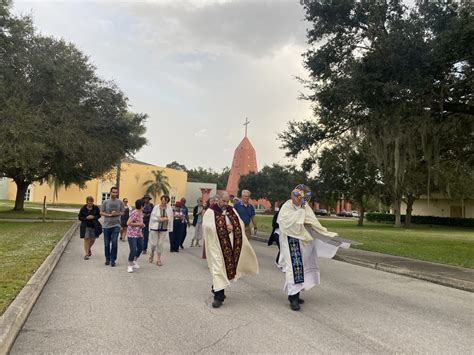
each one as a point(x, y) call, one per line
point(132, 178)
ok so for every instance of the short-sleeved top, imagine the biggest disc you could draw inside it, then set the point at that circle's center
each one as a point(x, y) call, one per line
point(133, 231)
point(108, 206)
point(245, 212)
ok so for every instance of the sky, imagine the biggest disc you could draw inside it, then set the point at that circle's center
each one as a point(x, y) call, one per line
point(197, 68)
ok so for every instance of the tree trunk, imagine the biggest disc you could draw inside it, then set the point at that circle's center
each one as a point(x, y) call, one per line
point(396, 210)
point(360, 222)
point(21, 188)
point(410, 200)
point(119, 170)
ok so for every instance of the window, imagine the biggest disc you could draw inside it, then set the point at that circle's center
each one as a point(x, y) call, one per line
point(105, 196)
point(28, 194)
point(173, 200)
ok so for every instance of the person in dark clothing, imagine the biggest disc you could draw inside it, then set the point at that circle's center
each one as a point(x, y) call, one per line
point(275, 235)
point(124, 219)
point(186, 224)
point(147, 209)
point(90, 229)
point(176, 236)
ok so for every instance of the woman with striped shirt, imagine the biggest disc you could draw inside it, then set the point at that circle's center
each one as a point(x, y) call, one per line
point(161, 224)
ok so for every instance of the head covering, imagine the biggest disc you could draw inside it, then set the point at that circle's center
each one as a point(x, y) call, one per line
point(146, 196)
point(302, 192)
point(178, 204)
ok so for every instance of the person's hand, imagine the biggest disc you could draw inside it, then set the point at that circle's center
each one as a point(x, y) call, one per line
point(254, 230)
point(90, 217)
point(230, 228)
point(142, 225)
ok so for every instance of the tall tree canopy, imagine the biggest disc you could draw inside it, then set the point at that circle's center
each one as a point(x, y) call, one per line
point(401, 77)
point(57, 118)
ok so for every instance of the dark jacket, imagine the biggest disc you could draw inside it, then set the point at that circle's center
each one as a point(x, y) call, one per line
point(195, 215)
point(89, 223)
point(273, 236)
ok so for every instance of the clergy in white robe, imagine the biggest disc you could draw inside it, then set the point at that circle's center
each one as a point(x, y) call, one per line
point(302, 241)
point(228, 251)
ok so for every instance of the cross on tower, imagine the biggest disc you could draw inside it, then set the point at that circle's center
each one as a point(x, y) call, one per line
point(246, 125)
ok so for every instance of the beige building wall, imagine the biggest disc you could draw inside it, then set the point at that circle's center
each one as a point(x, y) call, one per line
point(442, 207)
point(132, 179)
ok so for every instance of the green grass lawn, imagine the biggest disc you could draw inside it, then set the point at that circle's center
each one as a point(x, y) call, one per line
point(445, 245)
point(6, 212)
point(23, 247)
point(49, 205)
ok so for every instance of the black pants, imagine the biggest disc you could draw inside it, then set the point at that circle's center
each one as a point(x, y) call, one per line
point(176, 236)
point(219, 295)
point(184, 233)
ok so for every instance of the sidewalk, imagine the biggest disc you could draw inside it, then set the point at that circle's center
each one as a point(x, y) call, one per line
point(451, 276)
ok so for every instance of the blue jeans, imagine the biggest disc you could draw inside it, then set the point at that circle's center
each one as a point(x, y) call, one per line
point(146, 233)
point(136, 247)
point(111, 236)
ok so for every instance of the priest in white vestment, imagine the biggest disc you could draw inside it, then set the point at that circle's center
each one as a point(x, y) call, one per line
point(302, 241)
point(228, 251)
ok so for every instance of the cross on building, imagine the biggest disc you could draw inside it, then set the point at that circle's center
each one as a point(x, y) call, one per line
point(247, 122)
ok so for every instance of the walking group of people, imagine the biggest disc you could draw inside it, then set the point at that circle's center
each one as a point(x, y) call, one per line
point(225, 226)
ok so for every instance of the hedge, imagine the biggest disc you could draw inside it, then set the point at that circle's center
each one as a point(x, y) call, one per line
point(441, 221)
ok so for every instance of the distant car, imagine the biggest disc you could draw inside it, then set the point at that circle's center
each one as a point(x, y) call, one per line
point(355, 214)
point(344, 214)
point(322, 212)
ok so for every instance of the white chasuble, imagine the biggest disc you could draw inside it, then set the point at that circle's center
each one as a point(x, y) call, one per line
point(228, 259)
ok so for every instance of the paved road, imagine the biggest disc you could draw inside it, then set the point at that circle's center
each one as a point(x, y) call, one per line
point(87, 307)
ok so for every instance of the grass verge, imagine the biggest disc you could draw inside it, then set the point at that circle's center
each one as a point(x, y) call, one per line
point(444, 245)
point(23, 248)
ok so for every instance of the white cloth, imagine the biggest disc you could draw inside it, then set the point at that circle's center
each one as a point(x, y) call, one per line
point(156, 215)
point(197, 232)
point(247, 264)
point(314, 240)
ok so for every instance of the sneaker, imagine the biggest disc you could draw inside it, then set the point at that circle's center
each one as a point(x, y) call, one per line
point(129, 268)
point(135, 265)
point(107, 262)
point(112, 263)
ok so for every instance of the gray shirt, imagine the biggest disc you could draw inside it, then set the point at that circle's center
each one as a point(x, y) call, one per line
point(108, 206)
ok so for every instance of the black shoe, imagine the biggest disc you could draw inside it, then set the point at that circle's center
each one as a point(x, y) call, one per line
point(294, 302)
point(300, 301)
point(216, 304)
point(181, 246)
point(107, 262)
point(112, 263)
point(294, 305)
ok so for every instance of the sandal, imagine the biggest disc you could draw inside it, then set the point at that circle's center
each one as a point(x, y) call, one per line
point(158, 263)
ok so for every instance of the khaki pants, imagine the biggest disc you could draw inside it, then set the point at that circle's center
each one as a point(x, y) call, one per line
point(248, 231)
point(156, 241)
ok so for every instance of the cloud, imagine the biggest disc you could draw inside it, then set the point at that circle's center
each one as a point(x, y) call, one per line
point(197, 68)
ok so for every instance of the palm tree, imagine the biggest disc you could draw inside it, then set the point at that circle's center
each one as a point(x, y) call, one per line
point(157, 186)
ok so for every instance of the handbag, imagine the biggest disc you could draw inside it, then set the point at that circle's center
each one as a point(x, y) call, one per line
point(98, 228)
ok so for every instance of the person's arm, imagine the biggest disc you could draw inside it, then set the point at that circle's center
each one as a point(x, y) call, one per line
point(96, 213)
point(132, 222)
point(102, 210)
point(254, 220)
point(83, 214)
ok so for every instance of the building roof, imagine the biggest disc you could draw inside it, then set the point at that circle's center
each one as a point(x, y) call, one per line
point(134, 161)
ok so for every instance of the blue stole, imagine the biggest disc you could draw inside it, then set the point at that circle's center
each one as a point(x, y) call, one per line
point(296, 260)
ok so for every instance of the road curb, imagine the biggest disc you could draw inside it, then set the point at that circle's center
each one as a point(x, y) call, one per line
point(437, 279)
point(16, 314)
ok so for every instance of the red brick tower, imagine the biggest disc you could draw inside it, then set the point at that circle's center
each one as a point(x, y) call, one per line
point(244, 162)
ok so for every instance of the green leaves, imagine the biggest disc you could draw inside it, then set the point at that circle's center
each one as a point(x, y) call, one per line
point(57, 118)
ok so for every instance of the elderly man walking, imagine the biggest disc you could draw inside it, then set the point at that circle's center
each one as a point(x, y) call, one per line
point(229, 253)
point(246, 212)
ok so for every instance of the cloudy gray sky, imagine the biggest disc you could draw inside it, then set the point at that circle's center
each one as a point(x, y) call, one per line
point(197, 68)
